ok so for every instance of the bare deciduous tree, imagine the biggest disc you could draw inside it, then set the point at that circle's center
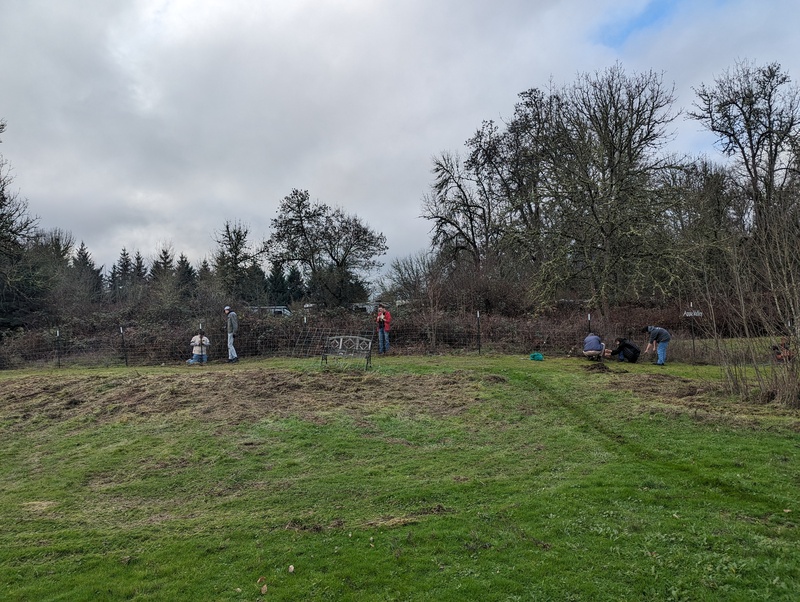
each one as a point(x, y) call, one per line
point(604, 163)
point(755, 113)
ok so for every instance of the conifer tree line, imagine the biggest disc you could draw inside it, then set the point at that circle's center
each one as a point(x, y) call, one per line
point(317, 254)
point(574, 197)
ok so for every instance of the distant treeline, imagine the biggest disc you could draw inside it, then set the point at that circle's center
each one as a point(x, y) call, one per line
point(573, 199)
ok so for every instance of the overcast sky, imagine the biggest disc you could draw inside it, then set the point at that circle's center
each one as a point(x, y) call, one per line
point(145, 123)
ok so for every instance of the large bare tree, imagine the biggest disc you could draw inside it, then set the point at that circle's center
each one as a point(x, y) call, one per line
point(755, 113)
point(604, 166)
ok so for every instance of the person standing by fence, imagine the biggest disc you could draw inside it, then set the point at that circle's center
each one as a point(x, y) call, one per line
point(384, 322)
point(233, 328)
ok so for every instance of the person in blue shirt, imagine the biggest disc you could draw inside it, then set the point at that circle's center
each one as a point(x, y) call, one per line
point(593, 347)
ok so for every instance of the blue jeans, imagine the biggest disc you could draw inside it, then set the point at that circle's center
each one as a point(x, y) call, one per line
point(383, 341)
point(198, 359)
point(661, 351)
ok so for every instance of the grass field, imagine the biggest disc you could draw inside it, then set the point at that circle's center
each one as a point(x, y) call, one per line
point(426, 478)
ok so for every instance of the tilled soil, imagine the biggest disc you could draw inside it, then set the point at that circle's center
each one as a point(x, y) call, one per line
point(230, 396)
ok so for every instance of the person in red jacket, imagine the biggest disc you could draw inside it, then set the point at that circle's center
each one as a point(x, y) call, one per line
point(384, 322)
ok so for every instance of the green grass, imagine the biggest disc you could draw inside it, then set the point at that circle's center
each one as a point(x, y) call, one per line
point(550, 482)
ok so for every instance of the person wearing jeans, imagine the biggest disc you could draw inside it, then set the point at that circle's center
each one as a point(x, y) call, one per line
point(384, 322)
point(659, 339)
point(199, 345)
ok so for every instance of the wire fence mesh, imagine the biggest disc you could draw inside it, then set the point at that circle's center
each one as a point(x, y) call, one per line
point(304, 336)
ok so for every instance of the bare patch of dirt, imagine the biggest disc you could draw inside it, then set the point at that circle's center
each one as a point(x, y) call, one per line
point(232, 396)
point(702, 401)
point(665, 387)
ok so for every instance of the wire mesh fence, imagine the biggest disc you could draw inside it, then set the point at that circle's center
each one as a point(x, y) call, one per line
point(136, 344)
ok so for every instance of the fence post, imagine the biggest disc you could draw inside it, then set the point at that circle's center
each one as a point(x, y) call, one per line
point(58, 347)
point(479, 332)
point(124, 348)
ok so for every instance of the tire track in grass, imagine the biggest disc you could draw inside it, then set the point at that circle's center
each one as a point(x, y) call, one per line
point(610, 439)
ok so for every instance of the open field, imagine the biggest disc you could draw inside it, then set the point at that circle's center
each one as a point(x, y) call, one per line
point(426, 478)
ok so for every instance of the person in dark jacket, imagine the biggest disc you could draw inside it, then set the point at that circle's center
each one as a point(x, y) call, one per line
point(626, 351)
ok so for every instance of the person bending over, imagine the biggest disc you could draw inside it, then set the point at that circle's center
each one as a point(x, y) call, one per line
point(659, 339)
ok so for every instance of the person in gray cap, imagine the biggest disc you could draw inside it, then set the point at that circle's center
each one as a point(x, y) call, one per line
point(659, 338)
point(233, 328)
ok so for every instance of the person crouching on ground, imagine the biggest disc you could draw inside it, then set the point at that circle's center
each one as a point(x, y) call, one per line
point(625, 351)
point(200, 344)
point(659, 339)
point(593, 347)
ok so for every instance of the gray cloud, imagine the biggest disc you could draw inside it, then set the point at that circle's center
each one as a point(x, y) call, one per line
point(141, 123)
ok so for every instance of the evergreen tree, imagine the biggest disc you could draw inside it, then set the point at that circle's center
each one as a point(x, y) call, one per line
point(277, 286)
point(139, 269)
point(295, 288)
point(42, 284)
point(120, 279)
point(163, 266)
point(254, 289)
point(186, 276)
point(205, 272)
point(236, 264)
point(86, 274)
